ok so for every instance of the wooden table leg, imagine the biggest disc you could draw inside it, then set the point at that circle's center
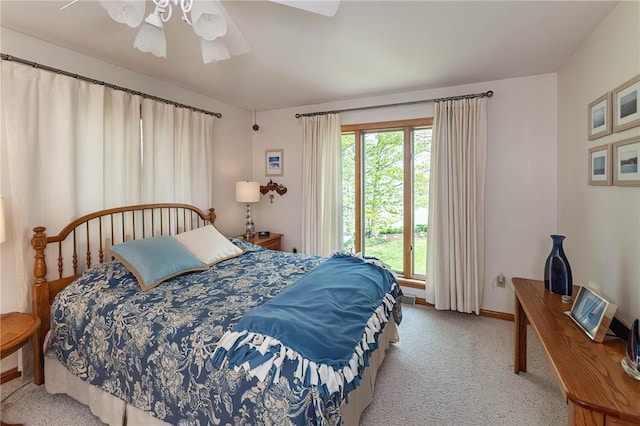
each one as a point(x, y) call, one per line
point(583, 416)
point(520, 332)
point(38, 370)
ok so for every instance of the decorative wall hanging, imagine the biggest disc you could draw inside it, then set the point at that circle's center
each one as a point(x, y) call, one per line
point(600, 165)
point(600, 117)
point(274, 162)
point(272, 186)
point(625, 162)
point(626, 105)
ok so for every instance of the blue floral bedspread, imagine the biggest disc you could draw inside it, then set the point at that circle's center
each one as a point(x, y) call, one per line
point(154, 349)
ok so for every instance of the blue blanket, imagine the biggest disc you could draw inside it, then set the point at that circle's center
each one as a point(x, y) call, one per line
point(328, 321)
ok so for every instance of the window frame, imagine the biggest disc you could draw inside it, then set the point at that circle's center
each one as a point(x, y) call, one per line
point(407, 278)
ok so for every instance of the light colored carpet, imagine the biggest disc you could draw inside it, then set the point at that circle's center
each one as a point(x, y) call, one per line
point(448, 369)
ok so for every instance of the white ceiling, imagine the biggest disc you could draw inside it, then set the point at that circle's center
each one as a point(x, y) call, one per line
point(300, 58)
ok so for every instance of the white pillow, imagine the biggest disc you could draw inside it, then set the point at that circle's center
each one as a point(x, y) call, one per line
point(208, 245)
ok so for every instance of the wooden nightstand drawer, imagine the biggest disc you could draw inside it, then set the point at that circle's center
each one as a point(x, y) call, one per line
point(272, 242)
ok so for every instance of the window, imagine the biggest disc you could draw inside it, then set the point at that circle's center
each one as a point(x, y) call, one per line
point(385, 173)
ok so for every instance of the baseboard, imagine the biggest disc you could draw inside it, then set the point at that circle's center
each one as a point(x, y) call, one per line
point(9, 375)
point(498, 315)
point(483, 312)
point(422, 301)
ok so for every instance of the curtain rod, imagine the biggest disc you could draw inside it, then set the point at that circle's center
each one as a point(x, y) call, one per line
point(6, 57)
point(487, 94)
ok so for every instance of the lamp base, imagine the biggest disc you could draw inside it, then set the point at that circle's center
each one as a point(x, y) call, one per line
point(632, 369)
point(249, 227)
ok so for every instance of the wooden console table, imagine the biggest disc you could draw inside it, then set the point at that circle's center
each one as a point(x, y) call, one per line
point(597, 389)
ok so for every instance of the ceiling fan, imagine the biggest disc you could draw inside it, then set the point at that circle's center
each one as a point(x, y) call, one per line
point(220, 38)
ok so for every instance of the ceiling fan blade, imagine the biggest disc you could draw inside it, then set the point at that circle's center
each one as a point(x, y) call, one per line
point(321, 7)
point(68, 4)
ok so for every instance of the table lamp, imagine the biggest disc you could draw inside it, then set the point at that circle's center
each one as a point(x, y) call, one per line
point(248, 192)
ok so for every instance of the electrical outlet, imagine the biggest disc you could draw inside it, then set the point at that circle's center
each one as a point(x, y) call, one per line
point(501, 280)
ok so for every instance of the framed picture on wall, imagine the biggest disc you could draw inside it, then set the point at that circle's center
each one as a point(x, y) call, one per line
point(625, 162)
point(626, 106)
point(600, 165)
point(600, 117)
point(274, 162)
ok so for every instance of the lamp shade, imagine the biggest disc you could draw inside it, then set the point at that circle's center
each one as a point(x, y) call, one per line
point(151, 37)
point(247, 192)
point(125, 12)
point(3, 235)
point(208, 21)
point(213, 51)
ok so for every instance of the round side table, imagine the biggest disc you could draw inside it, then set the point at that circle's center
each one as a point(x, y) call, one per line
point(16, 329)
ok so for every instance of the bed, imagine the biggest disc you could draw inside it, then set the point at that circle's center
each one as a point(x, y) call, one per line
point(252, 337)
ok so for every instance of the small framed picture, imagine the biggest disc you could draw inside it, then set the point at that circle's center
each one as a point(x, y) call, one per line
point(625, 162)
point(600, 165)
point(274, 162)
point(600, 117)
point(593, 313)
point(626, 107)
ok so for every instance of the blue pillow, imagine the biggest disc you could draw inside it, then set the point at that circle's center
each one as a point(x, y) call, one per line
point(154, 260)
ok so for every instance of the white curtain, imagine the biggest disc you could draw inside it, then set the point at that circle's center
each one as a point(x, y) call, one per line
point(70, 147)
point(122, 154)
point(177, 154)
point(322, 185)
point(455, 241)
point(62, 155)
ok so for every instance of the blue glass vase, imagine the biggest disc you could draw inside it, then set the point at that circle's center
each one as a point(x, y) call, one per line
point(557, 272)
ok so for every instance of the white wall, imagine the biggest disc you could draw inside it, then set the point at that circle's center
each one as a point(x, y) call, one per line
point(521, 176)
point(232, 139)
point(602, 224)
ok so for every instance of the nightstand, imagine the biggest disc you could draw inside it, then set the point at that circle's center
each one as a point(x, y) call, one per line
point(272, 242)
point(16, 329)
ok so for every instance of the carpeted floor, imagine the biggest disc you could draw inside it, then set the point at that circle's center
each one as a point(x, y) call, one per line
point(448, 369)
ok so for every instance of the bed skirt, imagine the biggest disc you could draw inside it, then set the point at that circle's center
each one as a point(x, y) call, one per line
point(116, 412)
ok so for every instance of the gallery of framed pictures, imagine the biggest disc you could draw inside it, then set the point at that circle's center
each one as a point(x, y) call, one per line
point(615, 163)
point(615, 111)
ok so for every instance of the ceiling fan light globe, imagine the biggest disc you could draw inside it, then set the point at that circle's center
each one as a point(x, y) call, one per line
point(213, 51)
point(210, 26)
point(154, 19)
point(151, 39)
point(129, 12)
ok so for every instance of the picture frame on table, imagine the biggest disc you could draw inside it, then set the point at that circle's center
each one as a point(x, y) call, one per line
point(626, 105)
point(625, 162)
point(593, 313)
point(274, 162)
point(600, 117)
point(600, 165)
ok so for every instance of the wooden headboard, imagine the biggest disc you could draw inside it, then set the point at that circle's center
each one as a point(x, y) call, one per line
point(86, 238)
